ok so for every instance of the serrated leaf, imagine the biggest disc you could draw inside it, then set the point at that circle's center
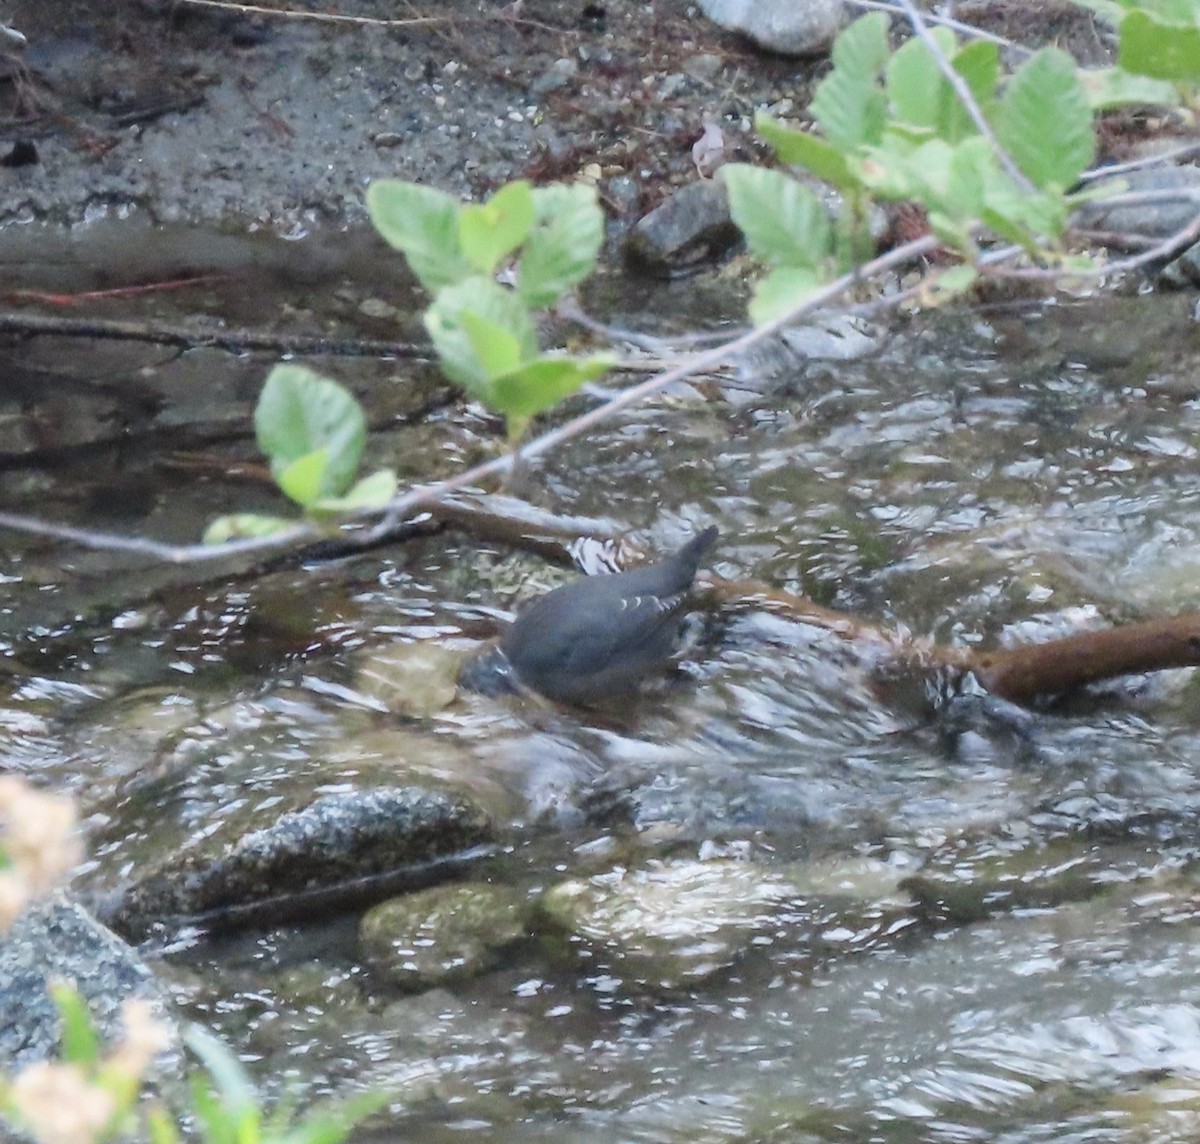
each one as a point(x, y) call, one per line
point(1020, 217)
point(781, 291)
point(972, 167)
point(1115, 87)
point(785, 224)
point(304, 479)
point(422, 223)
point(563, 245)
point(540, 384)
point(916, 87)
point(371, 492)
point(979, 64)
point(849, 104)
point(489, 232)
point(1159, 50)
point(242, 525)
point(1044, 122)
point(300, 412)
point(803, 149)
point(940, 288)
point(490, 302)
point(953, 282)
point(496, 349)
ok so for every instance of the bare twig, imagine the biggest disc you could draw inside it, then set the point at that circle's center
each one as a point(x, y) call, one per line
point(189, 337)
point(947, 22)
point(1168, 247)
point(1138, 164)
point(965, 97)
point(422, 495)
point(323, 17)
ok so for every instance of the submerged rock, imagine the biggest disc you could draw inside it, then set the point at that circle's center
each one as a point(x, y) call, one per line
point(670, 923)
point(340, 849)
point(441, 935)
point(58, 940)
point(414, 679)
point(1154, 218)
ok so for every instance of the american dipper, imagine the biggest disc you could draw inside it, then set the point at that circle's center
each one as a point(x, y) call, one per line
point(600, 636)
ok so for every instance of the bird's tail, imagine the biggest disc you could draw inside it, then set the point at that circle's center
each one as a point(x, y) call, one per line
point(690, 555)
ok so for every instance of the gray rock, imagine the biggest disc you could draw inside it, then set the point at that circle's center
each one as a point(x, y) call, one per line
point(669, 924)
point(790, 27)
point(691, 228)
point(1183, 271)
point(58, 940)
point(1155, 219)
point(341, 848)
point(442, 935)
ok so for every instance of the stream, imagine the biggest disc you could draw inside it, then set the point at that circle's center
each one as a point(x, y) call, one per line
point(769, 901)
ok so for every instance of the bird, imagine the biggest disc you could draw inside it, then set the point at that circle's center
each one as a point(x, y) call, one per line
point(598, 637)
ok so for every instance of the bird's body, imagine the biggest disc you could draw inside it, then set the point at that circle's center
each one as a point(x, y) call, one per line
point(600, 636)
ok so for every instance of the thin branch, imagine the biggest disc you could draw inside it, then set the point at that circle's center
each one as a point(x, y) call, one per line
point(947, 22)
point(403, 505)
point(965, 97)
point(1141, 198)
point(323, 17)
point(1139, 164)
point(187, 337)
point(364, 21)
point(1169, 246)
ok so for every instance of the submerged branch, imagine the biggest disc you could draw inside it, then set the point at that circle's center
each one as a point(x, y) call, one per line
point(191, 337)
point(1026, 675)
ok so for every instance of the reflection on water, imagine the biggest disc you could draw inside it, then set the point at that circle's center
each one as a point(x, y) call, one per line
point(990, 934)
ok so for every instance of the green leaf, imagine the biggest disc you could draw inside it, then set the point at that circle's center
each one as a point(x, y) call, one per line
point(849, 105)
point(781, 291)
point(298, 413)
point(803, 149)
point(785, 224)
point(489, 232)
point(496, 350)
point(371, 492)
point(332, 1123)
point(304, 479)
point(1020, 217)
point(238, 1098)
point(490, 302)
point(163, 1129)
point(239, 526)
point(80, 1044)
point(1161, 51)
point(979, 64)
point(950, 284)
point(563, 246)
point(1115, 87)
point(971, 169)
point(540, 384)
point(915, 85)
point(422, 223)
point(1044, 121)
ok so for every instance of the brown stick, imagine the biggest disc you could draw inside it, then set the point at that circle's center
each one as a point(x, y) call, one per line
point(1021, 674)
point(1025, 674)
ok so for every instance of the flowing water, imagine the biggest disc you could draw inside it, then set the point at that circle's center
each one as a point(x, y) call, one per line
point(996, 943)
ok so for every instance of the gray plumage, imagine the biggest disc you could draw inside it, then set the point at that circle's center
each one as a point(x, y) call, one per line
point(600, 636)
